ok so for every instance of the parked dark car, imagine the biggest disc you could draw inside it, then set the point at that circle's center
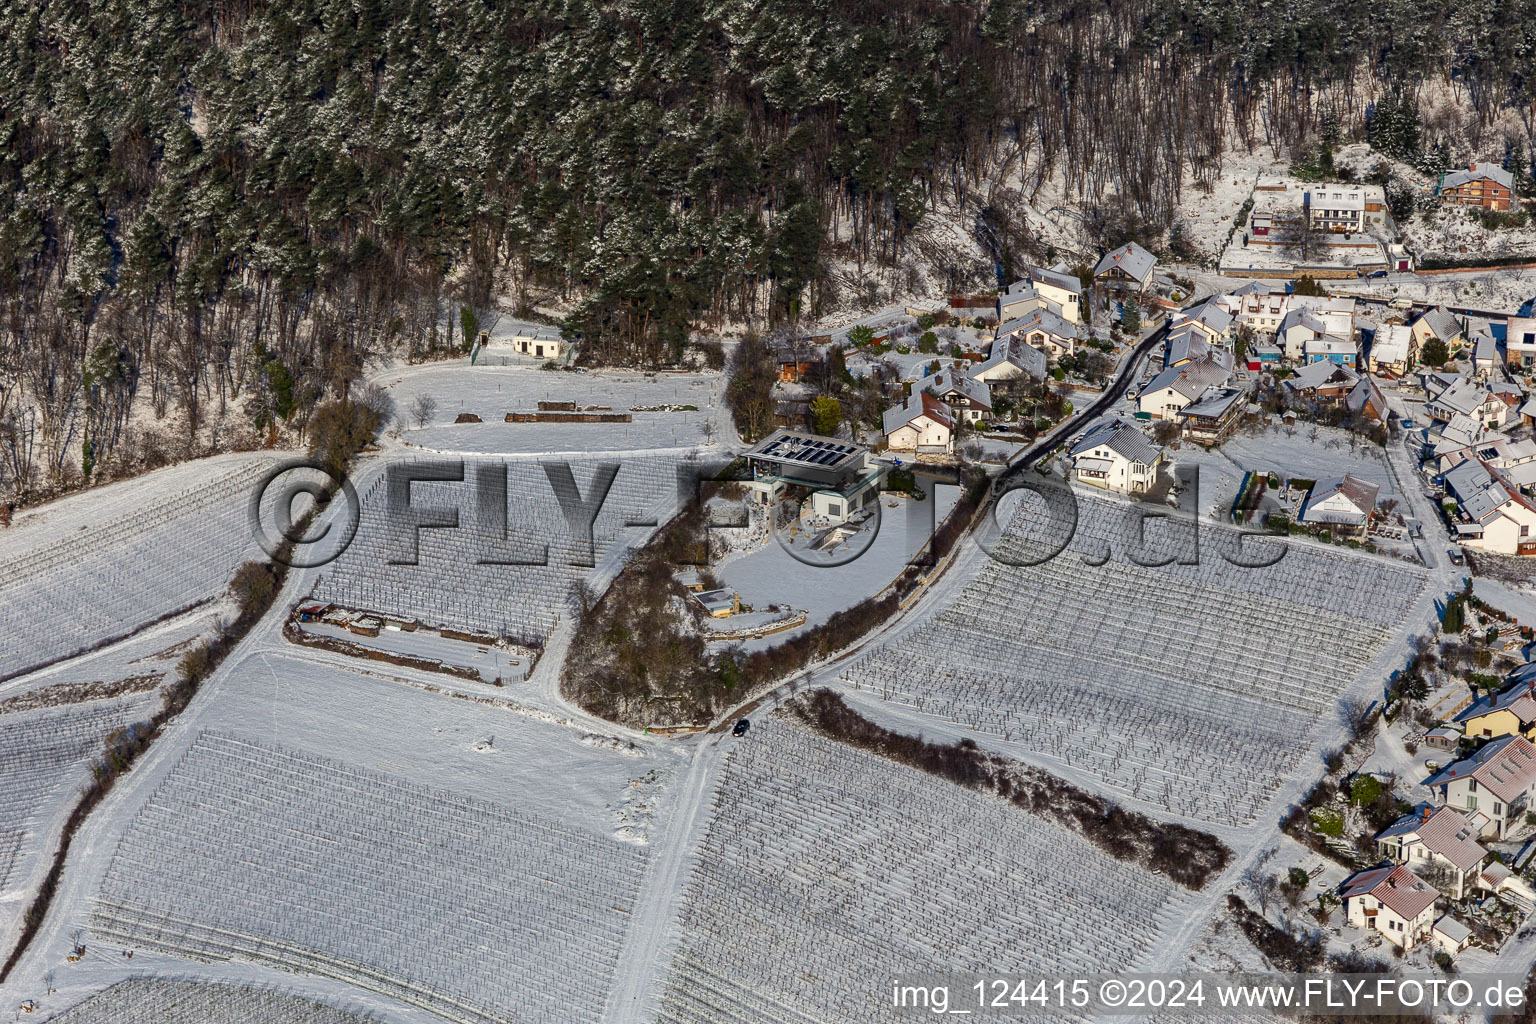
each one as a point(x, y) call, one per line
point(1456, 558)
point(1377, 273)
point(741, 728)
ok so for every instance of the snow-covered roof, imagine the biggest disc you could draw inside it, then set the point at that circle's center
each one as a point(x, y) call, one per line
point(1322, 374)
point(1392, 343)
point(1011, 350)
point(1302, 318)
point(1482, 490)
point(918, 404)
point(1462, 430)
point(1212, 403)
point(1121, 438)
point(1039, 319)
point(1485, 348)
point(1208, 313)
point(1130, 259)
point(1444, 831)
point(1189, 380)
point(1397, 888)
point(1520, 333)
point(1328, 344)
point(1517, 700)
point(1478, 172)
point(1056, 279)
point(1506, 768)
point(1452, 929)
point(1366, 393)
point(948, 382)
point(1441, 322)
point(1361, 495)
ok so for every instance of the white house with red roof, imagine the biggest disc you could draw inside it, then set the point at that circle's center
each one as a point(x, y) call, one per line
point(1495, 781)
point(1393, 901)
point(1439, 844)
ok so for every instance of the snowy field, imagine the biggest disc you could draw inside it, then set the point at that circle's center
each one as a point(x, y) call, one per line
point(491, 392)
point(107, 562)
point(1297, 455)
point(452, 585)
point(148, 1000)
point(44, 759)
point(311, 865)
point(1189, 687)
point(826, 871)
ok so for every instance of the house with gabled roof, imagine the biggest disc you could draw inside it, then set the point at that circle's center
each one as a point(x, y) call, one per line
point(1487, 185)
point(1498, 516)
point(1209, 318)
point(1323, 382)
point(1438, 322)
point(1177, 386)
point(1210, 419)
point(1341, 503)
point(1495, 781)
point(1187, 343)
point(922, 424)
point(1439, 844)
point(968, 398)
point(1117, 457)
point(1055, 290)
point(1465, 396)
point(1485, 354)
point(1010, 358)
point(1330, 349)
point(1391, 900)
point(1127, 269)
point(1393, 349)
point(1366, 400)
point(1042, 329)
point(1509, 712)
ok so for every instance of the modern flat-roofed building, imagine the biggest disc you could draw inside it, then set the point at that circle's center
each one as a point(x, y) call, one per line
point(842, 476)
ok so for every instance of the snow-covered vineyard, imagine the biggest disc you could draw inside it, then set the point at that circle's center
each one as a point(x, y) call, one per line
point(451, 585)
point(1163, 682)
point(104, 579)
point(149, 1000)
point(43, 757)
point(827, 871)
point(460, 906)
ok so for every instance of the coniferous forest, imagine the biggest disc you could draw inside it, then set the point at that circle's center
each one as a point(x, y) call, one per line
point(237, 204)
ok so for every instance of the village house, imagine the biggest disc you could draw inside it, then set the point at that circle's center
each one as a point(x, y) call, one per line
point(1010, 358)
point(1366, 400)
point(1520, 345)
point(1466, 396)
point(1325, 383)
point(1332, 206)
point(1042, 329)
point(966, 397)
point(1498, 517)
point(1211, 419)
point(1257, 307)
point(1116, 457)
point(1055, 290)
point(1176, 387)
point(1187, 343)
point(1528, 412)
point(1439, 844)
point(1393, 350)
point(1393, 901)
point(1516, 458)
point(922, 424)
point(1509, 712)
point(1209, 318)
point(1438, 322)
point(1329, 349)
point(1485, 185)
point(1460, 431)
point(1297, 328)
point(1495, 781)
point(1126, 270)
point(1341, 503)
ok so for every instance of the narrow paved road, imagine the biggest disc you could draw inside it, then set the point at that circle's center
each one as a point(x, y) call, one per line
point(1111, 395)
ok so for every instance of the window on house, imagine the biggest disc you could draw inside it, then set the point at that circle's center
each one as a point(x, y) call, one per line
point(1471, 803)
point(1497, 809)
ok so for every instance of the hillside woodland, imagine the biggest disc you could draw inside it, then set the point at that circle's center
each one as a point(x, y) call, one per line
point(226, 210)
